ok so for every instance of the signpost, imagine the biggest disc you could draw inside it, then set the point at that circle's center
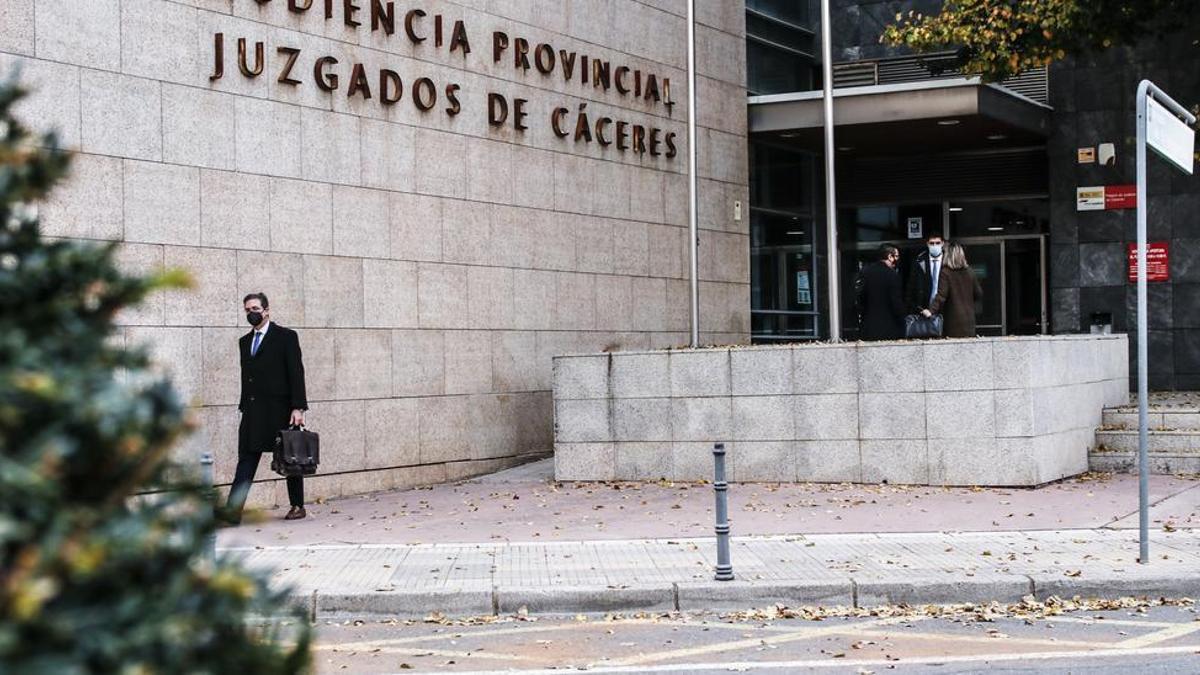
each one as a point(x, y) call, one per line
point(1158, 126)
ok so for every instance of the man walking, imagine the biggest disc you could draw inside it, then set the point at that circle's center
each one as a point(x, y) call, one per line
point(879, 297)
point(926, 269)
point(272, 398)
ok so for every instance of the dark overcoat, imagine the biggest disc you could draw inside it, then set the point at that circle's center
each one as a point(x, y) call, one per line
point(882, 306)
point(958, 290)
point(272, 387)
point(920, 284)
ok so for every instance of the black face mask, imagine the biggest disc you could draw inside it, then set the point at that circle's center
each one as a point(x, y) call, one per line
point(254, 318)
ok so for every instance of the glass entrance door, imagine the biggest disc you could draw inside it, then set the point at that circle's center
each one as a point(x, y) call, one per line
point(1012, 274)
point(987, 261)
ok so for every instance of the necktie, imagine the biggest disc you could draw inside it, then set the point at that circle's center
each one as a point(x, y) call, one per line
point(257, 340)
point(934, 267)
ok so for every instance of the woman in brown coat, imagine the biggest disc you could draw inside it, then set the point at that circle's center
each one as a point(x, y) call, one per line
point(957, 292)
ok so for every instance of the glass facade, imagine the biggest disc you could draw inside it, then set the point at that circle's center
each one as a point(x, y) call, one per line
point(779, 45)
point(888, 193)
point(784, 256)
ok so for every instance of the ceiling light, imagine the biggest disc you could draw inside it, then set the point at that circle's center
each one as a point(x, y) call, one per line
point(995, 229)
point(846, 148)
point(996, 137)
point(947, 123)
point(796, 232)
point(955, 209)
point(788, 135)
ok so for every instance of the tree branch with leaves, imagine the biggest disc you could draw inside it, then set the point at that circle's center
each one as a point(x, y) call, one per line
point(997, 39)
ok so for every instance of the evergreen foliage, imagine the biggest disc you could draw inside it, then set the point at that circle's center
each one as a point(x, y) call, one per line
point(92, 578)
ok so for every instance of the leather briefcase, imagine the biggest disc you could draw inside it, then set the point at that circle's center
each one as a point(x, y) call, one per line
point(918, 326)
point(297, 452)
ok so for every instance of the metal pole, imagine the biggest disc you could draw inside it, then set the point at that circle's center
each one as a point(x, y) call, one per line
point(693, 230)
point(206, 482)
point(835, 309)
point(1143, 358)
point(1146, 89)
point(721, 490)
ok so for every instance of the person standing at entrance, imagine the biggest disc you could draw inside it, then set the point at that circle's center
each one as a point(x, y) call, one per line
point(957, 292)
point(923, 279)
point(273, 397)
point(879, 297)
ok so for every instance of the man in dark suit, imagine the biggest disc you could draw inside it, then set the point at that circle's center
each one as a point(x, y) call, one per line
point(272, 398)
point(879, 297)
point(923, 277)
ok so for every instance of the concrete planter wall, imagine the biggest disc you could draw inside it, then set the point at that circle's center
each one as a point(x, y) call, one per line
point(985, 411)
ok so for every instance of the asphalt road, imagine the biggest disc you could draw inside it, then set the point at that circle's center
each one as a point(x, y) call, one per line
point(1155, 639)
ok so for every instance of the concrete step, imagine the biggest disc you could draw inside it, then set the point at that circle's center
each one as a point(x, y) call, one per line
point(1170, 451)
point(1126, 440)
point(1157, 418)
point(1160, 464)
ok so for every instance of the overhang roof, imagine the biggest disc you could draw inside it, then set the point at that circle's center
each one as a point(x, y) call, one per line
point(928, 116)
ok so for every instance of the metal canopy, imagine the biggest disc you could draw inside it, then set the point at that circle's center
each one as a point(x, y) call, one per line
point(943, 114)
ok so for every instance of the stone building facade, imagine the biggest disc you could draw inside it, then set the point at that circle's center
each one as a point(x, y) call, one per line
point(413, 186)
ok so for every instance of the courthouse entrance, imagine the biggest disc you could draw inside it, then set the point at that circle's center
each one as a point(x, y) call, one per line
point(950, 155)
point(1005, 243)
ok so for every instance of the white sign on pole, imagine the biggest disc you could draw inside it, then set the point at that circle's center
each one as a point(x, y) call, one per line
point(1169, 136)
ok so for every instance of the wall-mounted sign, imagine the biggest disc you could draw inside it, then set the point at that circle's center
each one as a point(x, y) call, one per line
point(1089, 198)
point(916, 227)
point(1167, 135)
point(1120, 197)
point(1105, 197)
point(1087, 155)
point(803, 288)
point(1158, 262)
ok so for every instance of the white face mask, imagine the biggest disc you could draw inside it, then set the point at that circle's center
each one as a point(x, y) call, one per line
point(935, 250)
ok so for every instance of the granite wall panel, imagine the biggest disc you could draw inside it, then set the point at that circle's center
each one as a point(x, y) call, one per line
point(988, 411)
point(433, 263)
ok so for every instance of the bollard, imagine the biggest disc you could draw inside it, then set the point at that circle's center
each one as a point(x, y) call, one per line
point(206, 482)
point(721, 488)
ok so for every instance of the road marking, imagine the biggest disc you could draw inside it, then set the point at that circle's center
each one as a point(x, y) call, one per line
point(802, 634)
point(842, 664)
point(951, 637)
point(1089, 621)
point(371, 644)
point(449, 653)
point(1150, 639)
point(487, 632)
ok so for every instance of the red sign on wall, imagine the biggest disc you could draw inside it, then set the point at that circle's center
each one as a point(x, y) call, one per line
point(1158, 266)
point(1120, 197)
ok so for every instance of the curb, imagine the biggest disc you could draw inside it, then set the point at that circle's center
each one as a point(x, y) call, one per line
point(714, 596)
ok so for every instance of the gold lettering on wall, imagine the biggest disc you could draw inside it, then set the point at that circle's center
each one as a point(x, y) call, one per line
point(527, 58)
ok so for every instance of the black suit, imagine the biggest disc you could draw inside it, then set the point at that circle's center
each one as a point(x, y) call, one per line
point(882, 307)
point(272, 387)
point(920, 285)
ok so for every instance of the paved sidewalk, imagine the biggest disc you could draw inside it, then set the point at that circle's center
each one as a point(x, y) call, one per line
point(525, 504)
point(518, 539)
point(665, 575)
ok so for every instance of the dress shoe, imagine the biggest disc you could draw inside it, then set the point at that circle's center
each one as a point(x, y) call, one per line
point(296, 513)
